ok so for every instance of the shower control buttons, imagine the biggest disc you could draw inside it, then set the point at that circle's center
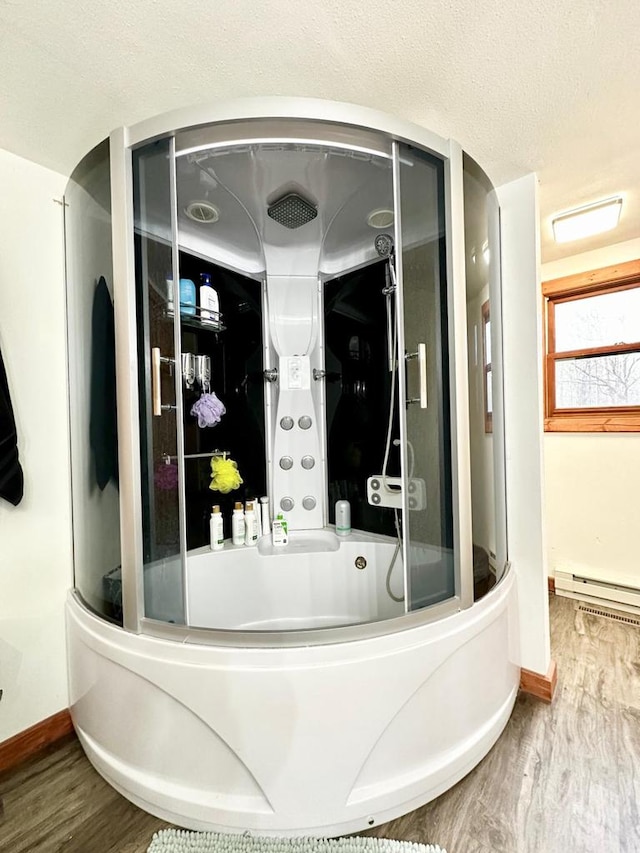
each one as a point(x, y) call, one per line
point(286, 463)
point(308, 462)
point(286, 422)
point(287, 504)
point(387, 491)
point(304, 422)
point(295, 373)
point(309, 502)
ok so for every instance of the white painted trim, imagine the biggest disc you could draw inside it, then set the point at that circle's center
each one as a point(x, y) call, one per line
point(522, 351)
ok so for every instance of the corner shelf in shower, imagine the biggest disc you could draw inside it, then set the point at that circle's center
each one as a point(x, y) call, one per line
point(196, 321)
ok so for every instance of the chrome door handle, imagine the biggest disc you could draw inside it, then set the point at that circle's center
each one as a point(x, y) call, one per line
point(156, 389)
point(421, 355)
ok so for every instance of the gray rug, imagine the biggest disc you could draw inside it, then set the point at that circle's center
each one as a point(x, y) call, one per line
point(183, 841)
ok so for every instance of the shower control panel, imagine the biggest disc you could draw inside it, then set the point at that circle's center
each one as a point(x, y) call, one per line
point(387, 492)
point(295, 372)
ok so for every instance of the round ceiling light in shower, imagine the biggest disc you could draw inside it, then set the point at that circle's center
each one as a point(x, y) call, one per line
point(203, 212)
point(382, 218)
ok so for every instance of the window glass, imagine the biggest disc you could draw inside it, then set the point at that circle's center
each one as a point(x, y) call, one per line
point(597, 321)
point(602, 381)
point(592, 370)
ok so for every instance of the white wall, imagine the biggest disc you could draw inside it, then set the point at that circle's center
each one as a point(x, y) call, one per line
point(593, 478)
point(522, 343)
point(35, 537)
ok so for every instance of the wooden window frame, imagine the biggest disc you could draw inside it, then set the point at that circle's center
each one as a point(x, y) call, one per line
point(486, 367)
point(569, 288)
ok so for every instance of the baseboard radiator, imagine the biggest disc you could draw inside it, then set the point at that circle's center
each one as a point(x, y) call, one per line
point(596, 591)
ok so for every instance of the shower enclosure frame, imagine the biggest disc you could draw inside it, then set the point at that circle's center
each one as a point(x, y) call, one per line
point(122, 143)
point(315, 732)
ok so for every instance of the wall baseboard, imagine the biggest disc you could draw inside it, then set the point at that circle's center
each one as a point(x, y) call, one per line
point(18, 748)
point(552, 584)
point(540, 686)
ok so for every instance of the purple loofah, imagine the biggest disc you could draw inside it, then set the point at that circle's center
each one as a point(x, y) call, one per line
point(208, 410)
point(166, 476)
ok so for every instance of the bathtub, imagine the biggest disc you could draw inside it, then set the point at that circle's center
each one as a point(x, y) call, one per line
point(318, 580)
point(327, 733)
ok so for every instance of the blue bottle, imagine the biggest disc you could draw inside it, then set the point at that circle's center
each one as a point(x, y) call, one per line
point(187, 296)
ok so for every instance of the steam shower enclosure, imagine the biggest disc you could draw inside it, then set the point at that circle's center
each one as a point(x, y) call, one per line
point(338, 681)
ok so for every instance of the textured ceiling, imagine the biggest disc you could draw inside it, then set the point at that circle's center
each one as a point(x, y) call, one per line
point(551, 86)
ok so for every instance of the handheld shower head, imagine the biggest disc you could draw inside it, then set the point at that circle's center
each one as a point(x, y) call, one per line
point(384, 245)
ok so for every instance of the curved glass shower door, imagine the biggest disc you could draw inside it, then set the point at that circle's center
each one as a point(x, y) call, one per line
point(424, 379)
point(158, 342)
point(328, 356)
point(486, 395)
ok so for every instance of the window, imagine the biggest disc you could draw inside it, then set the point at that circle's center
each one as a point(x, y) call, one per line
point(486, 361)
point(592, 373)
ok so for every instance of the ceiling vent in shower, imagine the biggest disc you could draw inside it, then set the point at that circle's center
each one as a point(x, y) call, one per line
point(203, 212)
point(380, 218)
point(292, 210)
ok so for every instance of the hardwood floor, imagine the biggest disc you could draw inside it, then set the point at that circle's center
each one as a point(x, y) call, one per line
point(563, 778)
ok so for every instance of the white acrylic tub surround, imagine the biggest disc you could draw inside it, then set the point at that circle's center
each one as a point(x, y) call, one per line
point(313, 582)
point(320, 740)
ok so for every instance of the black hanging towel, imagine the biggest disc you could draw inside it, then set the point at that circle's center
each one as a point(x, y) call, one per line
point(103, 423)
point(11, 477)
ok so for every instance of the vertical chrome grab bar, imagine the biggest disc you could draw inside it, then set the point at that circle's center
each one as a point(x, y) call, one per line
point(421, 356)
point(156, 388)
point(422, 366)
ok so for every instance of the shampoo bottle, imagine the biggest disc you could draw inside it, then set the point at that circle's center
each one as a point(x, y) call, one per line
point(250, 525)
point(343, 518)
point(169, 283)
point(187, 296)
point(280, 531)
point(216, 529)
point(265, 516)
point(237, 525)
point(209, 303)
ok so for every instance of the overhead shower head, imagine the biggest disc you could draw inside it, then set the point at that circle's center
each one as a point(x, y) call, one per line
point(384, 245)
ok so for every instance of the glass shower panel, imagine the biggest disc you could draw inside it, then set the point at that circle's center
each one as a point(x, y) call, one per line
point(428, 516)
point(221, 253)
point(157, 302)
point(482, 264)
point(92, 385)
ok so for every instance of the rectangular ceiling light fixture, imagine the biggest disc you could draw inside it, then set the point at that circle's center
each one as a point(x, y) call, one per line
point(587, 221)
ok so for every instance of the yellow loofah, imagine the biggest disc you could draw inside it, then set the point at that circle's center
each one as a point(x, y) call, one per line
point(225, 476)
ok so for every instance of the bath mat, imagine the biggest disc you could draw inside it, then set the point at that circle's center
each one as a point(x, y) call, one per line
point(184, 841)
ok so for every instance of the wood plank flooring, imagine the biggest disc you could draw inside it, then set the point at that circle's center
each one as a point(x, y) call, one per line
point(563, 778)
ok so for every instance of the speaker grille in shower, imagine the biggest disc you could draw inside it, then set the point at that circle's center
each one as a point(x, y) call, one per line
point(202, 211)
point(292, 211)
